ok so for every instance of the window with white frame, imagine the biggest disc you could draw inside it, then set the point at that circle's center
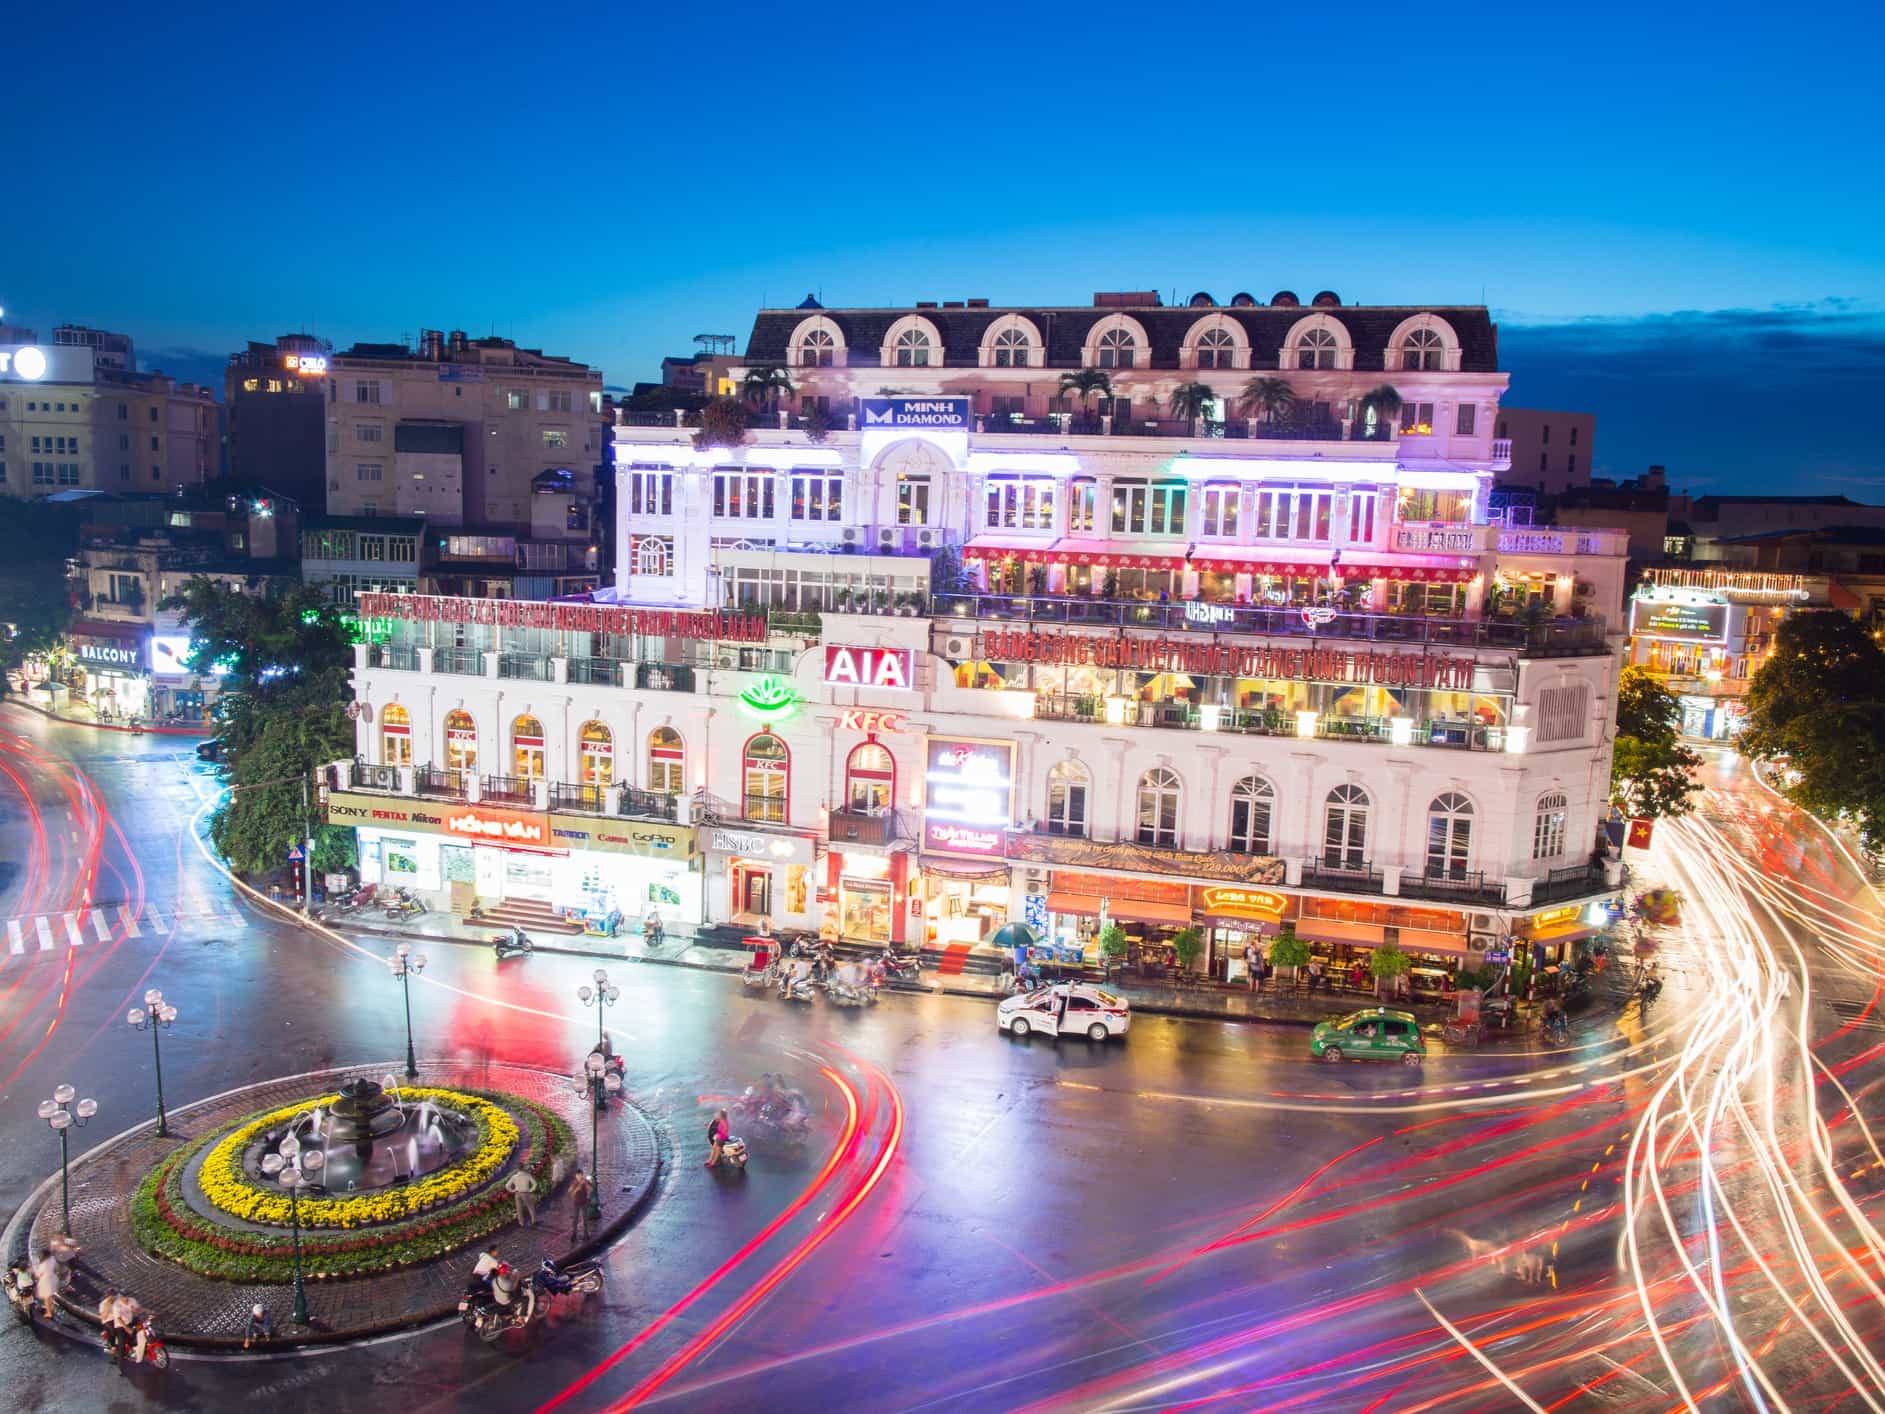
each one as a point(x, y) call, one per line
point(1149, 508)
point(1011, 349)
point(817, 496)
point(1220, 511)
point(913, 349)
point(743, 495)
point(1083, 498)
point(1548, 825)
point(650, 492)
point(913, 500)
point(1217, 349)
point(1016, 504)
point(1294, 513)
point(1417, 418)
point(816, 349)
point(1345, 829)
point(1252, 801)
point(667, 761)
point(1316, 349)
point(1361, 517)
point(366, 390)
point(1067, 787)
point(1463, 424)
point(369, 471)
point(1158, 808)
point(561, 400)
point(1449, 836)
point(555, 437)
point(370, 431)
point(1118, 349)
point(1423, 350)
point(653, 554)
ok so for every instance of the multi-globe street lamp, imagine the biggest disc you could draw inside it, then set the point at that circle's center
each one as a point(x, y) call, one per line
point(55, 1113)
point(154, 1016)
point(406, 965)
point(603, 1082)
point(295, 1168)
point(605, 994)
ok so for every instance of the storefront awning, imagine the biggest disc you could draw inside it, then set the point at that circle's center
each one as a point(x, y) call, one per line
point(1564, 933)
point(1422, 940)
point(1132, 910)
point(1121, 554)
point(1259, 559)
point(1429, 569)
point(102, 628)
point(1006, 547)
point(1330, 930)
point(1087, 905)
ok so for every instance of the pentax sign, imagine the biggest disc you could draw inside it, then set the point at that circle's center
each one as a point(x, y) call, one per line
point(889, 668)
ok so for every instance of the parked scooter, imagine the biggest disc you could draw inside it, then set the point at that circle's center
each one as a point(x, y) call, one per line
point(516, 941)
point(508, 1303)
point(354, 899)
point(405, 904)
point(144, 1346)
point(577, 1279)
point(733, 1154)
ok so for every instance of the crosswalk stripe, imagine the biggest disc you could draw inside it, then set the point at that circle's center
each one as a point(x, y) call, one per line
point(128, 921)
point(100, 927)
point(45, 934)
point(236, 918)
point(155, 919)
point(13, 932)
point(72, 931)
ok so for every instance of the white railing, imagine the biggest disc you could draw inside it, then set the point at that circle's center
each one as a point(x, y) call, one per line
point(1444, 539)
point(1502, 450)
point(1563, 541)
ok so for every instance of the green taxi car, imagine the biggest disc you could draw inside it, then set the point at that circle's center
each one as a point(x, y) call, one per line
point(1373, 1033)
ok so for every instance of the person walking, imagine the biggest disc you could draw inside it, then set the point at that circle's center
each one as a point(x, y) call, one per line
point(717, 1131)
point(261, 1326)
point(1315, 974)
point(1253, 967)
point(522, 1187)
point(46, 1281)
point(581, 1186)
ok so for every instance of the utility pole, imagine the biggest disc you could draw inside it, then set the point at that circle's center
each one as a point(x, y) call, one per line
point(307, 853)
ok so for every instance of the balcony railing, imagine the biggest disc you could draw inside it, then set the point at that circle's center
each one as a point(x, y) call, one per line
point(1573, 881)
point(1444, 539)
point(388, 655)
point(523, 665)
point(510, 790)
point(764, 809)
point(469, 661)
point(1260, 721)
point(586, 798)
point(664, 677)
point(1461, 885)
point(647, 804)
point(596, 672)
point(1547, 638)
point(862, 827)
point(1330, 873)
point(439, 782)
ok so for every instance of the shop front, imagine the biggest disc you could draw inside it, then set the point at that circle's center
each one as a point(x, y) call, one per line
point(962, 901)
point(1148, 911)
point(112, 677)
point(759, 876)
point(1544, 943)
point(864, 892)
point(627, 868)
point(1343, 933)
point(1234, 916)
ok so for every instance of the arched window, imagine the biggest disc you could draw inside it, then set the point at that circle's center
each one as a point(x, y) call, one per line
point(766, 773)
point(816, 349)
point(1548, 825)
point(598, 753)
point(1345, 829)
point(1316, 349)
point(461, 741)
point(667, 761)
point(1011, 349)
point(1251, 802)
point(913, 348)
point(1449, 836)
point(395, 735)
point(1066, 799)
point(527, 748)
point(870, 780)
point(1217, 349)
point(651, 554)
point(1423, 349)
point(1158, 807)
point(1118, 349)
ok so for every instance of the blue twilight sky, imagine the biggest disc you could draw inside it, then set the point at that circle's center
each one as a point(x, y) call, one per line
point(1674, 212)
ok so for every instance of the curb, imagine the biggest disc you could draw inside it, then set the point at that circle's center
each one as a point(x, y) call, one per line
point(136, 729)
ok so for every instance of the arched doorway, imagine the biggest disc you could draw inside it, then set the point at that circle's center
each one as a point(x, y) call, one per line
point(395, 735)
point(598, 753)
point(461, 741)
point(527, 749)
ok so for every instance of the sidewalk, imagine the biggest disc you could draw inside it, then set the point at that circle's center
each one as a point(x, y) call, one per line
point(83, 716)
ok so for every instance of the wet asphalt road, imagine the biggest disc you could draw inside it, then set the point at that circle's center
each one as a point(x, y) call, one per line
point(1198, 1212)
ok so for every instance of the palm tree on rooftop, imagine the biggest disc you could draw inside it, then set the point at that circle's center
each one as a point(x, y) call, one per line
point(1192, 401)
point(766, 384)
point(1087, 383)
point(1385, 403)
point(1271, 399)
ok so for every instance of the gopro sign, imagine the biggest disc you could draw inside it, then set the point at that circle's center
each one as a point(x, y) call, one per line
point(26, 361)
point(929, 414)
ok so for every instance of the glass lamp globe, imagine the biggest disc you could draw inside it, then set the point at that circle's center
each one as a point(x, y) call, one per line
point(135, 1016)
point(272, 1164)
point(60, 1119)
point(602, 978)
point(611, 1082)
point(87, 1108)
point(313, 1161)
point(290, 1176)
point(48, 1108)
point(153, 998)
point(170, 1014)
point(403, 950)
point(289, 1147)
point(584, 992)
point(593, 1063)
point(418, 962)
point(63, 1094)
point(614, 993)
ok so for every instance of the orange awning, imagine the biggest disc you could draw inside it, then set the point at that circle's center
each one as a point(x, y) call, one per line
point(1086, 904)
point(1132, 910)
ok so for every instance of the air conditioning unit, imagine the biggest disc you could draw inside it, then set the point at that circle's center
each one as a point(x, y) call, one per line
point(382, 777)
point(959, 645)
point(926, 539)
point(1485, 923)
point(852, 535)
point(726, 660)
point(887, 538)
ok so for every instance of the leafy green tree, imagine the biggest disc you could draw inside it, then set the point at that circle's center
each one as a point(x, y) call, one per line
point(1651, 771)
point(1288, 950)
point(1087, 384)
point(765, 385)
point(1389, 964)
point(722, 424)
point(1818, 705)
point(263, 815)
point(36, 536)
point(1187, 943)
point(1113, 944)
point(1271, 399)
point(1192, 401)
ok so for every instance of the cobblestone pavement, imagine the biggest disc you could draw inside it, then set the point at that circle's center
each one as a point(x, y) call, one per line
point(194, 1310)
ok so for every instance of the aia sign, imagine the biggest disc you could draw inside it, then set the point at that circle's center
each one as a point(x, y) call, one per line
point(869, 667)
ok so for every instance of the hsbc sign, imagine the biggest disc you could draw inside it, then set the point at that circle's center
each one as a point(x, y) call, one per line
point(891, 668)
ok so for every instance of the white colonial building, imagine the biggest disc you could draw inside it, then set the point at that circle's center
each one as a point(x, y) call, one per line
point(932, 651)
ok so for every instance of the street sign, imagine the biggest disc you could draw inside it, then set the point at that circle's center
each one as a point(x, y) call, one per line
point(295, 855)
point(1498, 955)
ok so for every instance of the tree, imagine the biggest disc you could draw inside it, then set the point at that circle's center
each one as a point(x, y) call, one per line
point(766, 384)
point(1650, 770)
point(1192, 401)
point(818, 423)
point(1288, 950)
point(1187, 943)
point(262, 816)
point(1087, 384)
point(722, 424)
point(35, 600)
point(1388, 963)
point(1385, 403)
point(1272, 399)
point(1818, 704)
point(1113, 944)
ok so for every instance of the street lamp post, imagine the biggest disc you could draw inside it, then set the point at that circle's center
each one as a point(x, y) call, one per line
point(153, 1016)
point(55, 1113)
point(604, 994)
point(295, 1168)
point(602, 1082)
point(406, 964)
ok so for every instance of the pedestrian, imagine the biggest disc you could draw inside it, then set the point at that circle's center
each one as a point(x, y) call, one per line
point(261, 1326)
point(522, 1187)
point(581, 1186)
point(717, 1131)
point(46, 1281)
point(1315, 974)
point(1252, 967)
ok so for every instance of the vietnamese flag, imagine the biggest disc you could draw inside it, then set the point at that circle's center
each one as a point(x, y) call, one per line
point(1640, 831)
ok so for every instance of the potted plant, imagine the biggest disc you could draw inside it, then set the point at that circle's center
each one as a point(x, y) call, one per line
point(1187, 943)
point(1109, 588)
point(1288, 951)
point(1388, 964)
point(1113, 947)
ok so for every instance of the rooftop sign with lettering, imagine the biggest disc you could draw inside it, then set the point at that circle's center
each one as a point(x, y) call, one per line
point(928, 414)
point(706, 624)
point(1201, 656)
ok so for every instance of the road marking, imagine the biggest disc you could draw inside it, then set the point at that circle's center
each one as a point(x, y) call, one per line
point(45, 934)
point(72, 931)
point(236, 918)
point(13, 931)
point(155, 919)
point(128, 920)
point(100, 927)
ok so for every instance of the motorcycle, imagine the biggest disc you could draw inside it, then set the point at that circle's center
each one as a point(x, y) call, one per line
point(146, 1348)
point(515, 941)
point(355, 899)
point(577, 1279)
point(797, 987)
point(900, 969)
point(733, 1152)
point(845, 994)
point(1557, 1030)
point(20, 1294)
point(405, 905)
point(508, 1303)
point(653, 935)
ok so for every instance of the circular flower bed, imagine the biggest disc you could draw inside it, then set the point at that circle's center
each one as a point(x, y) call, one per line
point(166, 1226)
point(228, 1185)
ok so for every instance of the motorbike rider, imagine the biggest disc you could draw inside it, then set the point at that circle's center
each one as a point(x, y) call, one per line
point(652, 933)
point(481, 1274)
point(512, 1294)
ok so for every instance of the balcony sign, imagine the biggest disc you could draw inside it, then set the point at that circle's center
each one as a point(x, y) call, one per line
point(930, 414)
point(1446, 671)
point(968, 795)
point(889, 668)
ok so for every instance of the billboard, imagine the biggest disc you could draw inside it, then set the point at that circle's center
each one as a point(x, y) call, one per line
point(968, 796)
point(869, 667)
point(1693, 623)
point(912, 414)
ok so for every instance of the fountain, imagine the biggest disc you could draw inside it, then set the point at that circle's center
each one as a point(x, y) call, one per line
point(370, 1141)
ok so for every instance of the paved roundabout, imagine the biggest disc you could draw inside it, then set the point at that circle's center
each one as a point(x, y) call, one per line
point(402, 1185)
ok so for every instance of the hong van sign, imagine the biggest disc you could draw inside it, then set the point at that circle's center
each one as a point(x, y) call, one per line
point(868, 667)
point(930, 414)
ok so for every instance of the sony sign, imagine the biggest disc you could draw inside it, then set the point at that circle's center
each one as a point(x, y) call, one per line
point(891, 668)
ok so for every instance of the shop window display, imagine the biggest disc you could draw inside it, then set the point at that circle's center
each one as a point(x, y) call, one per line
point(461, 741)
point(667, 759)
point(527, 749)
point(598, 753)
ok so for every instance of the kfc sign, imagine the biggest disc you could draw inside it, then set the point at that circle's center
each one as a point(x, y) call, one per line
point(892, 668)
point(867, 719)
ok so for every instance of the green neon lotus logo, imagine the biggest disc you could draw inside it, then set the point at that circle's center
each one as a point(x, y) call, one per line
point(771, 696)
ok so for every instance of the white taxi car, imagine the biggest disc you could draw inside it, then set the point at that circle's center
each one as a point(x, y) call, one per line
point(1065, 1009)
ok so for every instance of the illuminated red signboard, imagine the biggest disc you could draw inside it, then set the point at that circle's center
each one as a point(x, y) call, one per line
point(869, 667)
